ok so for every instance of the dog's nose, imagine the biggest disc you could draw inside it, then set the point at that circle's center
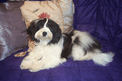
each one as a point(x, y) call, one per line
point(44, 34)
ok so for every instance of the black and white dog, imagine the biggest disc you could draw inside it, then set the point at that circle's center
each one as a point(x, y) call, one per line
point(54, 48)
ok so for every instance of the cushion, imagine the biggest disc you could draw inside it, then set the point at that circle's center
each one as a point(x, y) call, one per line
point(67, 9)
point(12, 27)
point(32, 9)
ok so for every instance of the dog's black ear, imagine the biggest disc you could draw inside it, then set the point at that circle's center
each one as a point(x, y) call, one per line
point(31, 31)
point(56, 31)
point(56, 35)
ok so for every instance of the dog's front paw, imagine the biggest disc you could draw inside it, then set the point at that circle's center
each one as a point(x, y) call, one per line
point(23, 67)
point(36, 67)
point(41, 65)
point(26, 64)
point(45, 64)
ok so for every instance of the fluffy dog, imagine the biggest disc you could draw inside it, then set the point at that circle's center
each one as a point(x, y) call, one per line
point(54, 48)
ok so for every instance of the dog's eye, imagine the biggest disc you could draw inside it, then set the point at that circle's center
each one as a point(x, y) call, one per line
point(35, 10)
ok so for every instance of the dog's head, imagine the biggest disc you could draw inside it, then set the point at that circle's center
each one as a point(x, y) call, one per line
point(44, 31)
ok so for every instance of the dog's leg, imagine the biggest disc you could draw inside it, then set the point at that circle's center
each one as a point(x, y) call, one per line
point(29, 60)
point(46, 63)
point(77, 53)
point(27, 63)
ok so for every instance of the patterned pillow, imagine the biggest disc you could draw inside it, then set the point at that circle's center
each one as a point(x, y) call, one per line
point(32, 9)
point(67, 10)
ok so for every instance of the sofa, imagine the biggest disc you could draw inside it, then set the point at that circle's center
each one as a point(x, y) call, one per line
point(101, 18)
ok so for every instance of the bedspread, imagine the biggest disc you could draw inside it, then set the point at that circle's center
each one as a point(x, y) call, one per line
point(103, 20)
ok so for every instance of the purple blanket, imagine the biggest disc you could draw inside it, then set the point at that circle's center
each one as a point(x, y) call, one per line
point(103, 20)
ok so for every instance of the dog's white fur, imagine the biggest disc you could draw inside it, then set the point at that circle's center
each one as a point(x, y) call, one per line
point(44, 57)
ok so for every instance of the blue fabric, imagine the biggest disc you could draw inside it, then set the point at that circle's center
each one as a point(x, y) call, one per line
point(103, 20)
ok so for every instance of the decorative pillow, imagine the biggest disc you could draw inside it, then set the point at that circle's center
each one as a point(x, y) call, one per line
point(12, 27)
point(32, 9)
point(67, 9)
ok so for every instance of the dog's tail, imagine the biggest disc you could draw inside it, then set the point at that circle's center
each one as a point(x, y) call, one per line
point(103, 58)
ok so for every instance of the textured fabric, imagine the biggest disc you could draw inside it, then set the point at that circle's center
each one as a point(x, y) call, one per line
point(32, 9)
point(103, 20)
point(12, 35)
point(67, 10)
